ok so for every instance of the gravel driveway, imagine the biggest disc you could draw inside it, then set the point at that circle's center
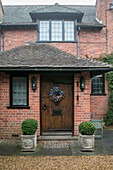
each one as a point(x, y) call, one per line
point(59, 162)
point(58, 158)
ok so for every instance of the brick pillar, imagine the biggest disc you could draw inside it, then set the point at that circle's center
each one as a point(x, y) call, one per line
point(81, 107)
point(34, 100)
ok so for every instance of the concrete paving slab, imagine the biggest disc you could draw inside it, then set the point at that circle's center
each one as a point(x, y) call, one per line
point(59, 148)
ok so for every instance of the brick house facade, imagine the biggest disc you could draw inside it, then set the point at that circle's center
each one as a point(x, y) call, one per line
point(93, 36)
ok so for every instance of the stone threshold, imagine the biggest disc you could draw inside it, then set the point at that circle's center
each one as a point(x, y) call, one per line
point(48, 138)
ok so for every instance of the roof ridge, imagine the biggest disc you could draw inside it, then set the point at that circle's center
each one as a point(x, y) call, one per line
point(50, 5)
point(64, 6)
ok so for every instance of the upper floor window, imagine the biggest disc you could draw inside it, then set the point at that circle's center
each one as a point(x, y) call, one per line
point(98, 84)
point(57, 30)
point(69, 30)
point(44, 30)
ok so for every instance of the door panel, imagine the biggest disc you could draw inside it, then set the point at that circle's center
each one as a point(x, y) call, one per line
point(50, 121)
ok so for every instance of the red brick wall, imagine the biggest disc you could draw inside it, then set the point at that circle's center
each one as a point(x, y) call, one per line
point(92, 41)
point(17, 38)
point(110, 31)
point(106, 15)
point(100, 104)
point(11, 119)
point(81, 107)
point(101, 6)
point(98, 9)
point(67, 47)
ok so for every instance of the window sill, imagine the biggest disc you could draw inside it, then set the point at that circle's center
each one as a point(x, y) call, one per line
point(98, 94)
point(56, 41)
point(18, 107)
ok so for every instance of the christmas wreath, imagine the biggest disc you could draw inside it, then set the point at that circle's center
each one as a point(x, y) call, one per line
point(56, 94)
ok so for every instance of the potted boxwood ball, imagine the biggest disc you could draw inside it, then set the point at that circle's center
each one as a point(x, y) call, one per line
point(29, 137)
point(86, 136)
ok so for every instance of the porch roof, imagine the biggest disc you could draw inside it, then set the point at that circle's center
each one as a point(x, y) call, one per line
point(44, 57)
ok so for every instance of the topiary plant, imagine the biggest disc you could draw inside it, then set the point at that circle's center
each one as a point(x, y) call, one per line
point(86, 128)
point(29, 126)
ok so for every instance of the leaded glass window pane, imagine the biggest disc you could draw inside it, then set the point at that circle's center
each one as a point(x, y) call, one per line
point(69, 31)
point(56, 30)
point(97, 84)
point(56, 34)
point(19, 90)
point(44, 30)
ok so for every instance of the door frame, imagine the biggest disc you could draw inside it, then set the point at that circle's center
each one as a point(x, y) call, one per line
point(58, 73)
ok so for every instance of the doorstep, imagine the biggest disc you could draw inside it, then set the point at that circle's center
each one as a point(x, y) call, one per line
point(42, 138)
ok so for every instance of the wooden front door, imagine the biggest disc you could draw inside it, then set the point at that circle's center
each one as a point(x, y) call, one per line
point(57, 116)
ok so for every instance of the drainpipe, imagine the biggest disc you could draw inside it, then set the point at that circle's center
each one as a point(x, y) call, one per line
point(2, 39)
point(38, 29)
point(106, 20)
point(78, 41)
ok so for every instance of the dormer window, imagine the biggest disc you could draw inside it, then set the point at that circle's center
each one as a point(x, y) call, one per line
point(56, 23)
point(56, 30)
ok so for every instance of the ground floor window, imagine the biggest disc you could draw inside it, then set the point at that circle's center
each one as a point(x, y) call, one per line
point(19, 91)
point(98, 84)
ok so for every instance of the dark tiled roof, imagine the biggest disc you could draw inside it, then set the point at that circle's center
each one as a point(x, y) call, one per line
point(44, 56)
point(57, 8)
point(20, 14)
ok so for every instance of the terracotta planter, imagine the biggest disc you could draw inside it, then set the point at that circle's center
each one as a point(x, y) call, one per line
point(86, 142)
point(28, 142)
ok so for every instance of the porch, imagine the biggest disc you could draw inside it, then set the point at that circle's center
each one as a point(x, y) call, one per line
point(48, 69)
